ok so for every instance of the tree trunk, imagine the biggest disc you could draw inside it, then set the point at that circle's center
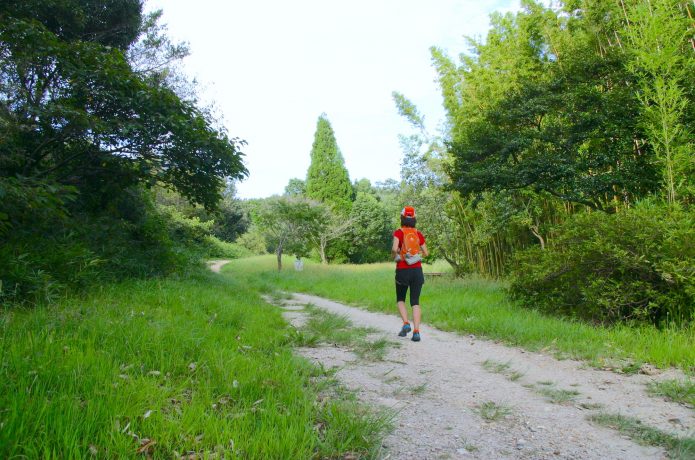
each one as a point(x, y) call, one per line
point(322, 251)
point(278, 252)
point(536, 233)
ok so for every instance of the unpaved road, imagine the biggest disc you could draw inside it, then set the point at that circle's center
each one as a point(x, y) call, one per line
point(438, 386)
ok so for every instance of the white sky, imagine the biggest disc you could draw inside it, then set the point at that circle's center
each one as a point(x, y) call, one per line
point(272, 67)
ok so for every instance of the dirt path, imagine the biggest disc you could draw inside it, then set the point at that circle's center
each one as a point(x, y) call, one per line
point(216, 265)
point(446, 398)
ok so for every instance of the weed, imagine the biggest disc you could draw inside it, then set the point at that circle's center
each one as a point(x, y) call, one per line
point(502, 368)
point(492, 411)
point(682, 391)
point(646, 435)
point(411, 390)
point(631, 368)
point(496, 367)
point(324, 326)
point(373, 351)
point(556, 395)
point(418, 389)
point(515, 375)
point(392, 379)
point(591, 406)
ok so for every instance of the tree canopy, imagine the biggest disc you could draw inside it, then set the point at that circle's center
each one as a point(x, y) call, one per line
point(74, 112)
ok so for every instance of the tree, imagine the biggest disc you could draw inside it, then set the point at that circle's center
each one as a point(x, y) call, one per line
point(290, 224)
point(331, 228)
point(563, 120)
point(327, 178)
point(370, 230)
point(90, 118)
point(74, 112)
point(295, 187)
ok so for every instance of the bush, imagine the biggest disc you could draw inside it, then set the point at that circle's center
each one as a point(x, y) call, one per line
point(54, 239)
point(225, 249)
point(254, 242)
point(636, 265)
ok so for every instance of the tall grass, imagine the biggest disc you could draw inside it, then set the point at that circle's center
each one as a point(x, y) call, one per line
point(481, 307)
point(166, 368)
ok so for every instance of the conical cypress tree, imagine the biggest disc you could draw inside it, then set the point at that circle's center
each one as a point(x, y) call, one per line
point(327, 179)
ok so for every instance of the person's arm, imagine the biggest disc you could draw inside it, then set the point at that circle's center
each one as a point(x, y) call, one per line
point(394, 248)
point(425, 252)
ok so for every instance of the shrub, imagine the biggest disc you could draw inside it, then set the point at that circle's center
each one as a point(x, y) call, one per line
point(632, 266)
point(254, 242)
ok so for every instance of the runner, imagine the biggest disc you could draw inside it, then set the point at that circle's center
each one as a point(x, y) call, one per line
point(407, 251)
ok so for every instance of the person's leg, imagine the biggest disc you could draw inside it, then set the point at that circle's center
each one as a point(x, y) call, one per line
point(415, 303)
point(401, 290)
point(403, 311)
point(417, 315)
point(416, 282)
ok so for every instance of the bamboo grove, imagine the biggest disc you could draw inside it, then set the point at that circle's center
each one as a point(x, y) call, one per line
point(562, 119)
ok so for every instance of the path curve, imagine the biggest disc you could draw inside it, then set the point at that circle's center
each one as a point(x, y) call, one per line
point(216, 265)
point(439, 385)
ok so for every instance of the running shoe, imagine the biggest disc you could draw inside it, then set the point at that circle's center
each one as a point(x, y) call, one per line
point(404, 330)
point(416, 337)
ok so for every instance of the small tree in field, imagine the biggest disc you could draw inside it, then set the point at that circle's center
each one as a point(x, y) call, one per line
point(290, 224)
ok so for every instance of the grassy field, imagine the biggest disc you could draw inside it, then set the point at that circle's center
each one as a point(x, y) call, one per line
point(198, 367)
point(478, 306)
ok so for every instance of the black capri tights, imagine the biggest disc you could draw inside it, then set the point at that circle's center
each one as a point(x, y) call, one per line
point(412, 278)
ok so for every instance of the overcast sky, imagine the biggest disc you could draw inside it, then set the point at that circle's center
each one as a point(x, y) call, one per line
point(272, 67)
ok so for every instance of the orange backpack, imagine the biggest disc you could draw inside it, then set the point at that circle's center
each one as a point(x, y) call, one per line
point(411, 242)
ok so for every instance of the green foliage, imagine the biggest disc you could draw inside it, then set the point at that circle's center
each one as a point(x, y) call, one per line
point(660, 36)
point(635, 265)
point(253, 241)
point(291, 224)
point(295, 187)
point(52, 248)
point(89, 120)
point(48, 253)
point(635, 429)
point(682, 391)
point(473, 234)
point(80, 20)
point(195, 364)
point(370, 230)
point(544, 106)
point(327, 178)
point(84, 132)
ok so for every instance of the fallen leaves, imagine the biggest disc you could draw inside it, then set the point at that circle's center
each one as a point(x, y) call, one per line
point(146, 446)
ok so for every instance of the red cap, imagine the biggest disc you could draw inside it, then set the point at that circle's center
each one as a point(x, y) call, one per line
point(408, 211)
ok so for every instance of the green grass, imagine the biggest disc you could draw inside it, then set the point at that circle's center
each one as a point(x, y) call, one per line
point(167, 367)
point(556, 395)
point(679, 448)
point(682, 391)
point(325, 327)
point(502, 368)
point(479, 306)
point(491, 411)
